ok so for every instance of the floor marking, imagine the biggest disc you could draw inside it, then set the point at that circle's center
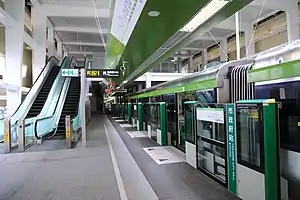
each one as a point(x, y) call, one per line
point(161, 155)
point(120, 120)
point(120, 183)
point(137, 134)
point(126, 125)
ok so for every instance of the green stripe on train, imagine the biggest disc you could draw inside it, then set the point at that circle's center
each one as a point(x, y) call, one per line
point(200, 85)
point(279, 71)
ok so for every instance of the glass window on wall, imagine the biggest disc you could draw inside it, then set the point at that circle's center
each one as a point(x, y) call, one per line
point(2, 65)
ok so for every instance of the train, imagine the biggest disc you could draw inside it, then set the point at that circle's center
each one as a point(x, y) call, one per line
point(272, 74)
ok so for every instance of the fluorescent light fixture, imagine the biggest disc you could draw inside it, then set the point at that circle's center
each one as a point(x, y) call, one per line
point(204, 14)
point(153, 13)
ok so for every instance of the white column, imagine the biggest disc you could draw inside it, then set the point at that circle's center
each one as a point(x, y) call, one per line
point(66, 53)
point(148, 80)
point(190, 63)
point(204, 57)
point(50, 39)
point(249, 41)
point(140, 87)
point(39, 25)
point(14, 54)
point(223, 50)
point(59, 50)
point(292, 23)
point(237, 38)
point(179, 64)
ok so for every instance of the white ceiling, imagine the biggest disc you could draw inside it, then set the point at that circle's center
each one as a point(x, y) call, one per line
point(75, 23)
point(248, 16)
point(79, 3)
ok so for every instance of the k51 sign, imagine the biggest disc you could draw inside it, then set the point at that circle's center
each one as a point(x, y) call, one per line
point(102, 73)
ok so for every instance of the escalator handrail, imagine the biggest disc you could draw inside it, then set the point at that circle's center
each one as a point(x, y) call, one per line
point(53, 91)
point(52, 57)
point(40, 119)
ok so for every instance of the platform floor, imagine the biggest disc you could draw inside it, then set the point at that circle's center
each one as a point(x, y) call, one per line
point(114, 166)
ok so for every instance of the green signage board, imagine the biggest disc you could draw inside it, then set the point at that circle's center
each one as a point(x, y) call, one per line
point(70, 72)
point(231, 147)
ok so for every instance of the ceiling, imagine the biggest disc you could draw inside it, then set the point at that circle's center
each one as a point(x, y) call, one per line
point(80, 22)
point(78, 26)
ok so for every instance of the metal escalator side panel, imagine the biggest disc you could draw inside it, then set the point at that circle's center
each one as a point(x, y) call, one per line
point(54, 94)
point(24, 107)
point(70, 106)
point(46, 125)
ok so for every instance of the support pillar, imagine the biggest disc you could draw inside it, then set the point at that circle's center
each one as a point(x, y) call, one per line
point(190, 64)
point(204, 57)
point(224, 50)
point(179, 65)
point(59, 50)
point(249, 41)
point(14, 44)
point(292, 22)
point(39, 25)
point(148, 80)
point(65, 51)
point(50, 40)
point(140, 87)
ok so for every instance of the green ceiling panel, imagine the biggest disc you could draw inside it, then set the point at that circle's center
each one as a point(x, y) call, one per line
point(114, 52)
point(280, 71)
point(151, 32)
point(225, 13)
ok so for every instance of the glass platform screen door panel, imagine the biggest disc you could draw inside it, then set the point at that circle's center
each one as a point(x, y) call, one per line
point(190, 137)
point(211, 141)
point(258, 168)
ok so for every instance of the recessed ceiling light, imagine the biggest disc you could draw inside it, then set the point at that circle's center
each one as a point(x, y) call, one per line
point(153, 13)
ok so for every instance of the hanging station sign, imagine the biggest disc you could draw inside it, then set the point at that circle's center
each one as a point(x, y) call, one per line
point(102, 73)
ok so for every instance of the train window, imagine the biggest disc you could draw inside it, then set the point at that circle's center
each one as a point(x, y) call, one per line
point(289, 115)
point(189, 125)
point(250, 136)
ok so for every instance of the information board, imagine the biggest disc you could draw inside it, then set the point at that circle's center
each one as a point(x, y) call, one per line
point(231, 147)
point(70, 72)
point(102, 73)
point(125, 17)
point(211, 115)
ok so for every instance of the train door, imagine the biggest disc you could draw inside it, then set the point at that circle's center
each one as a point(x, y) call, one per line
point(257, 140)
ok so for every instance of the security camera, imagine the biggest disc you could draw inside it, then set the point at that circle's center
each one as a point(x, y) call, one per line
point(122, 68)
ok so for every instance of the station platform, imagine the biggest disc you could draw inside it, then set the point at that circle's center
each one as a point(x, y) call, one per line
point(116, 165)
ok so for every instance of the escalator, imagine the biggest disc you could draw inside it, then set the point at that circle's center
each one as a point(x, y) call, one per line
point(70, 107)
point(41, 98)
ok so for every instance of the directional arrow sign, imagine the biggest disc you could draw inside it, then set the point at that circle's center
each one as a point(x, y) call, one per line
point(70, 72)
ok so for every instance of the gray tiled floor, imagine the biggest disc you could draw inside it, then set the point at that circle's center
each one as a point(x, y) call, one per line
point(82, 173)
point(172, 181)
